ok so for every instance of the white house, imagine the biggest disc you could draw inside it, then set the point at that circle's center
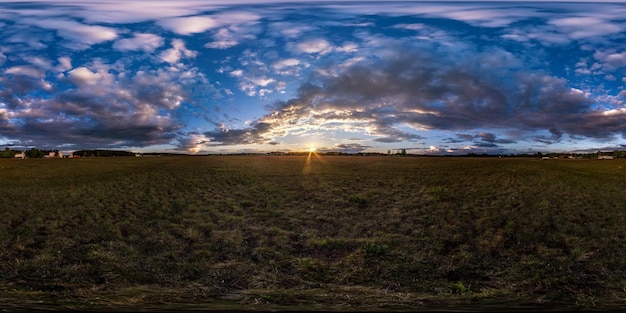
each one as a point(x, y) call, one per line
point(20, 155)
point(605, 157)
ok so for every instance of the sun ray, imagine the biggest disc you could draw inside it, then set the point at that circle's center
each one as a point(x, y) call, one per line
point(308, 164)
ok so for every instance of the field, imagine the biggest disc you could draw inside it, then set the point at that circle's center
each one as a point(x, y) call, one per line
point(327, 232)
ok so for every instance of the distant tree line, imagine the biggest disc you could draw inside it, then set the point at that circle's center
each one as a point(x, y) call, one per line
point(31, 153)
point(615, 153)
point(35, 153)
point(102, 153)
point(7, 153)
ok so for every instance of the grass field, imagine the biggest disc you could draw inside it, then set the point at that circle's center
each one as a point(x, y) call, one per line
point(320, 232)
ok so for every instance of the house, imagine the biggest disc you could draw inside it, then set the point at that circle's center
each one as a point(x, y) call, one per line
point(21, 155)
point(605, 157)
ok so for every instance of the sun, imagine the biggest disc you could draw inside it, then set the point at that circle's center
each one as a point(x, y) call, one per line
point(311, 149)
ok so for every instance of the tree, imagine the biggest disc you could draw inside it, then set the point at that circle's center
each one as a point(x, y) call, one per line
point(7, 153)
point(34, 153)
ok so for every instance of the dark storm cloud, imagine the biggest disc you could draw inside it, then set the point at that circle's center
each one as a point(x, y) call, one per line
point(485, 144)
point(491, 138)
point(251, 135)
point(557, 134)
point(486, 139)
point(347, 148)
point(464, 137)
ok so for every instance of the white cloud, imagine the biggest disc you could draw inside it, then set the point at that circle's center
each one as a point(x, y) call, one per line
point(65, 63)
point(317, 45)
point(177, 52)
point(575, 21)
point(221, 44)
point(81, 36)
point(137, 11)
point(352, 61)
point(585, 26)
point(348, 47)
point(189, 25)
point(263, 81)
point(285, 63)
point(486, 16)
point(25, 70)
point(415, 26)
point(236, 73)
point(140, 41)
point(223, 40)
point(612, 61)
point(250, 85)
point(39, 62)
point(236, 17)
point(33, 41)
point(236, 27)
point(290, 30)
point(83, 76)
point(549, 37)
point(514, 37)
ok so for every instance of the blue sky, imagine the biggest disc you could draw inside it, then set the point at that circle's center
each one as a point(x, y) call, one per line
point(257, 76)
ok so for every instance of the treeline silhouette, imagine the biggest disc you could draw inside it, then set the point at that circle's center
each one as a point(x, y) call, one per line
point(102, 153)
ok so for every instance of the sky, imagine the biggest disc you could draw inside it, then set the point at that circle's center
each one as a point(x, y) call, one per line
point(205, 77)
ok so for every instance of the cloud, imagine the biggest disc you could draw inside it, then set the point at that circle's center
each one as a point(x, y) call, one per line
point(177, 52)
point(285, 63)
point(477, 70)
point(579, 27)
point(489, 17)
point(413, 88)
point(65, 63)
point(314, 46)
point(486, 139)
point(25, 70)
point(235, 28)
point(290, 30)
point(348, 148)
point(202, 23)
point(83, 76)
point(413, 26)
point(611, 60)
point(113, 11)
point(105, 106)
point(139, 42)
point(189, 25)
point(255, 134)
point(223, 39)
point(80, 36)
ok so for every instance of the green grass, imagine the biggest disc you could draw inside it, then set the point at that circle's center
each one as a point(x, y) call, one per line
point(329, 232)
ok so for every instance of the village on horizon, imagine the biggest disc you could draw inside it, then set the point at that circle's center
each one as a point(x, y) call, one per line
point(35, 153)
